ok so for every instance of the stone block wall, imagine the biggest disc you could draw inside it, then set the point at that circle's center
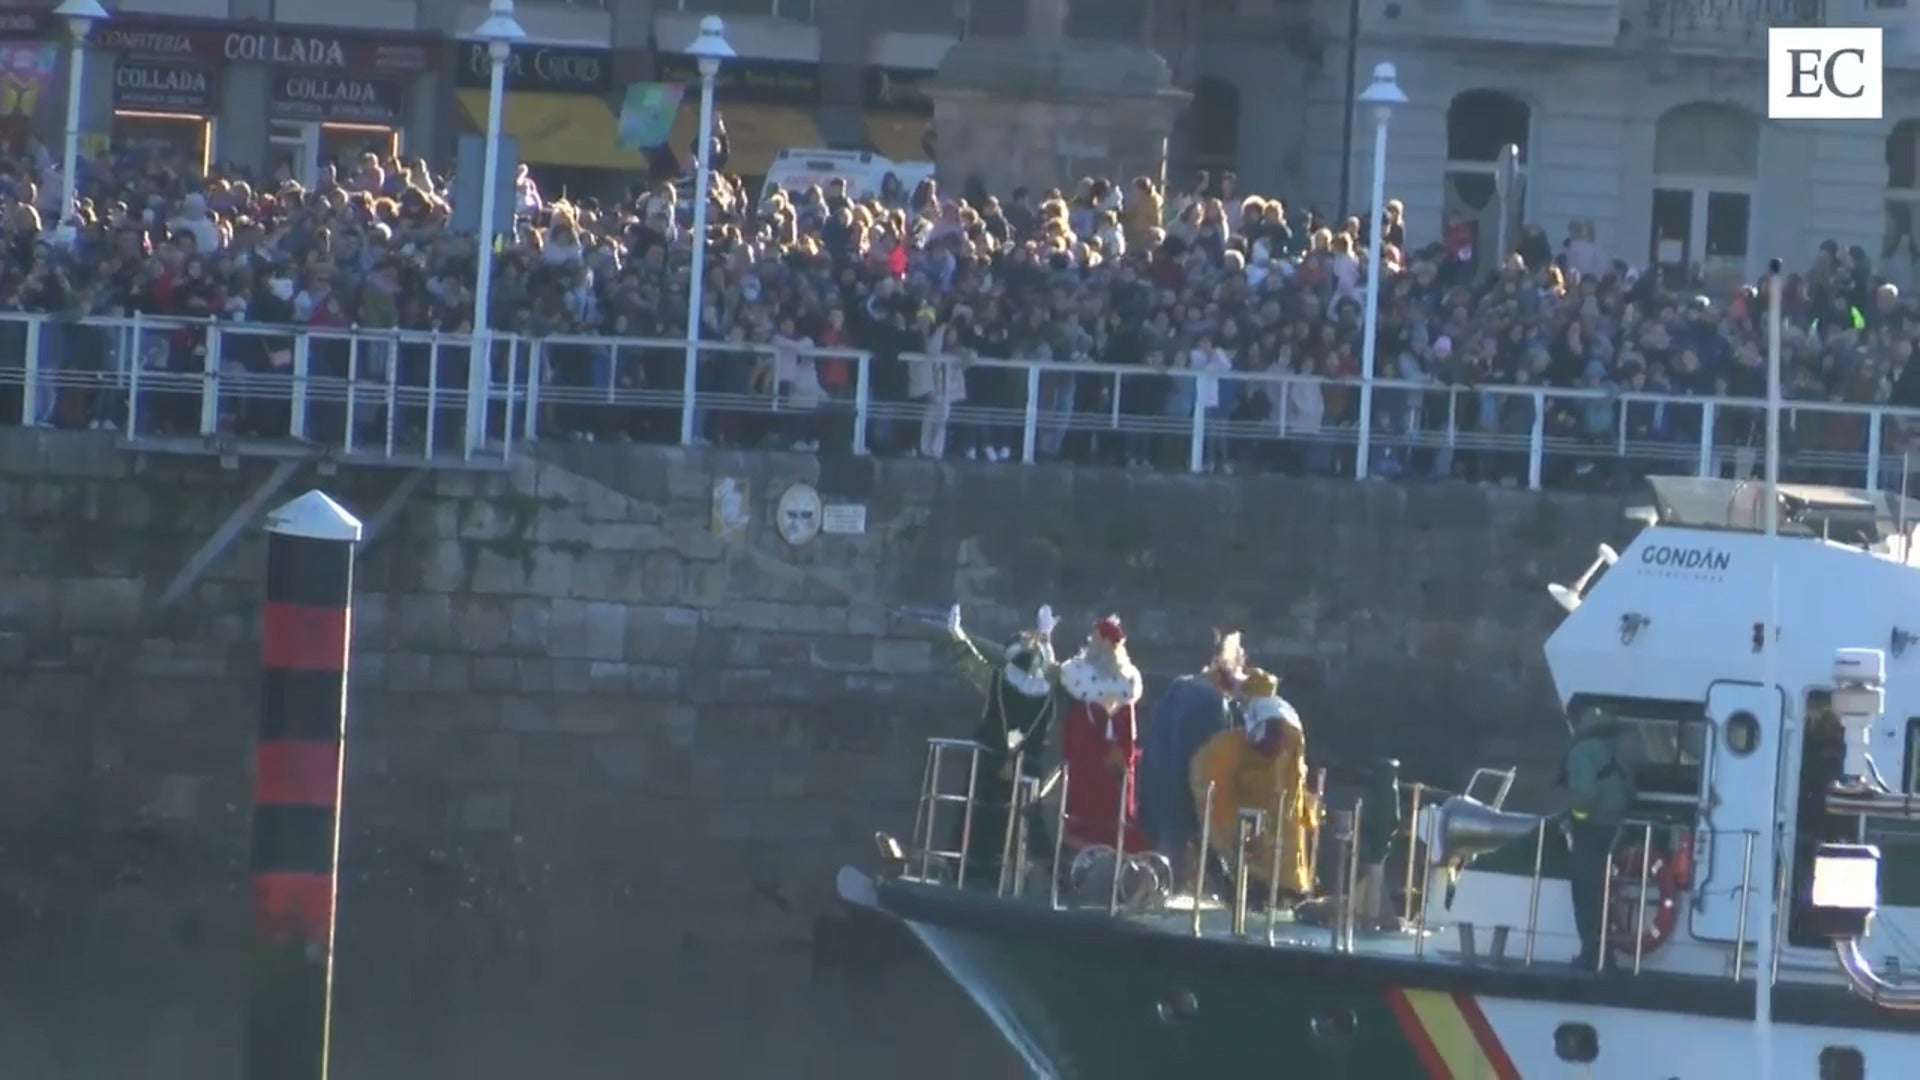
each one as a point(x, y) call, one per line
point(604, 764)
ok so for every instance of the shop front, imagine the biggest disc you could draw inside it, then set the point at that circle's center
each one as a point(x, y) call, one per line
point(165, 108)
point(331, 93)
point(321, 118)
point(773, 105)
point(560, 108)
point(899, 114)
point(767, 106)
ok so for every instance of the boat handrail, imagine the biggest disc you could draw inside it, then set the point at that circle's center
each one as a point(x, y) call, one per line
point(1342, 827)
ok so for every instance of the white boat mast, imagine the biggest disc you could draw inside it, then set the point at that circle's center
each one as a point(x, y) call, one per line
point(1769, 921)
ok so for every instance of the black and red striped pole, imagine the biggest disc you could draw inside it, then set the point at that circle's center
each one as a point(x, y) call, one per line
point(304, 633)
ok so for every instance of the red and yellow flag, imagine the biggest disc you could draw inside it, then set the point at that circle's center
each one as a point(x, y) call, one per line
point(1451, 1035)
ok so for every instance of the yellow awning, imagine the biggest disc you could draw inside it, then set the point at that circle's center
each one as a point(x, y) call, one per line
point(898, 138)
point(755, 133)
point(571, 130)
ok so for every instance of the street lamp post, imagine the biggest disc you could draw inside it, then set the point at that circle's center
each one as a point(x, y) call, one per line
point(80, 16)
point(1382, 94)
point(501, 32)
point(710, 48)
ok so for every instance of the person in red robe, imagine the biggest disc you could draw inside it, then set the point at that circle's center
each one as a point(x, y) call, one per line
point(1098, 741)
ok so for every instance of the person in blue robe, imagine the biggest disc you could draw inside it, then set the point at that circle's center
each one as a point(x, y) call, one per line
point(1193, 710)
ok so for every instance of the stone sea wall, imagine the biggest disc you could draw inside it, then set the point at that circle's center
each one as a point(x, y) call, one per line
point(604, 761)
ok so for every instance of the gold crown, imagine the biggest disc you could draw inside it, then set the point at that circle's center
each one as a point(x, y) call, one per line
point(1260, 683)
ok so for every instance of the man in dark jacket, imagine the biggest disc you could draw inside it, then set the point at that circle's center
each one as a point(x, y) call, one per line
point(1600, 788)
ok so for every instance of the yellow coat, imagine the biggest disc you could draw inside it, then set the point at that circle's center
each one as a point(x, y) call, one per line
point(1246, 778)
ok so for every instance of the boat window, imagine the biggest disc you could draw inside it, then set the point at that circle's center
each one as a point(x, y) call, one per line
point(1665, 754)
point(1576, 1043)
point(1886, 830)
point(1664, 741)
point(1910, 776)
point(1823, 752)
point(1842, 1063)
point(1743, 733)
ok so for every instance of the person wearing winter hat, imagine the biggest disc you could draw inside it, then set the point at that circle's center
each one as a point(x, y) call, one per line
point(1020, 708)
point(1260, 765)
point(1098, 741)
point(1193, 710)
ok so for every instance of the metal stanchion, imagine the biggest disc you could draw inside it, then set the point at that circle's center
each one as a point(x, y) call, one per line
point(923, 817)
point(1342, 823)
point(1318, 819)
point(1606, 913)
point(1273, 875)
point(1746, 898)
point(1533, 898)
point(1200, 867)
point(1247, 826)
point(1016, 805)
point(1413, 851)
point(1640, 907)
point(966, 815)
point(1353, 876)
point(1119, 843)
point(1060, 834)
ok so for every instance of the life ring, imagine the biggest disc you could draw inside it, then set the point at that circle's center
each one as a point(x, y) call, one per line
point(1662, 899)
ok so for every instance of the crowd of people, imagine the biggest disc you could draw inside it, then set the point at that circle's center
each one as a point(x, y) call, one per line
point(1201, 278)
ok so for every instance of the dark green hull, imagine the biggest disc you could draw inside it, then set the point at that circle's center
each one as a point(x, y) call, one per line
point(1083, 995)
point(1081, 1011)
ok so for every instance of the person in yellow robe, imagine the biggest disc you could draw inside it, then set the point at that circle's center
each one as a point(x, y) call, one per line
point(1260, 765)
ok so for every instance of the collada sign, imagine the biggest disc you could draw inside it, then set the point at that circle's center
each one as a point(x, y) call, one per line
point(163, 87)
point(299, 96)
point(1687, 560)
point(193, 41)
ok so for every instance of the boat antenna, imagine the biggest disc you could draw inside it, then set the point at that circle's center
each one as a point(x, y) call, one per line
point(1906, 473)
point(1770, 915)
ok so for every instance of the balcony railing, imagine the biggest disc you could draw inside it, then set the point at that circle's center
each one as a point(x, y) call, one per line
point(1725, 23)
point(406, 398)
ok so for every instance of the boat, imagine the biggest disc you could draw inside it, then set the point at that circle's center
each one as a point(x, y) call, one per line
point(1744, 638)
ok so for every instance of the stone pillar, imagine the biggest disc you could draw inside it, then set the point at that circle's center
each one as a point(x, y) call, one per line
point(1042, 111)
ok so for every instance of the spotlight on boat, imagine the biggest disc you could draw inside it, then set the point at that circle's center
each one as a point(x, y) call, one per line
point(1568, 596)
point(1846, 889)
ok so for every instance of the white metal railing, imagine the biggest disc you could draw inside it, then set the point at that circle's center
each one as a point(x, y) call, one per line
point(407, 395)
point(1529, 434)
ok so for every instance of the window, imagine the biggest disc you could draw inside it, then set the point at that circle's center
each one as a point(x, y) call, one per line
point(1910, 774)
point(1898, 254)
point(1842, 1063)
point(1577, 1044)
point(1215, 120)
point(1479, 124)
point(1889, 831)
point(1743, 733)
point(1664, 742)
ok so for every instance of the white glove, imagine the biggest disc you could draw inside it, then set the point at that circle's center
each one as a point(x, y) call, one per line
point(1045, 622)
point(953, 623)
point(1014, 739)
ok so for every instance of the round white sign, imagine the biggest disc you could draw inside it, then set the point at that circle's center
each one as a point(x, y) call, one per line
point(799, 514)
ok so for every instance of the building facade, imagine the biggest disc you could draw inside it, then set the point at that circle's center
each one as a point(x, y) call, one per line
point(1644, 118)
point(339, 77)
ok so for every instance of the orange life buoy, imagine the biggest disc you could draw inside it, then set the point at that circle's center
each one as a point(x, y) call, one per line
point(1662, 899)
